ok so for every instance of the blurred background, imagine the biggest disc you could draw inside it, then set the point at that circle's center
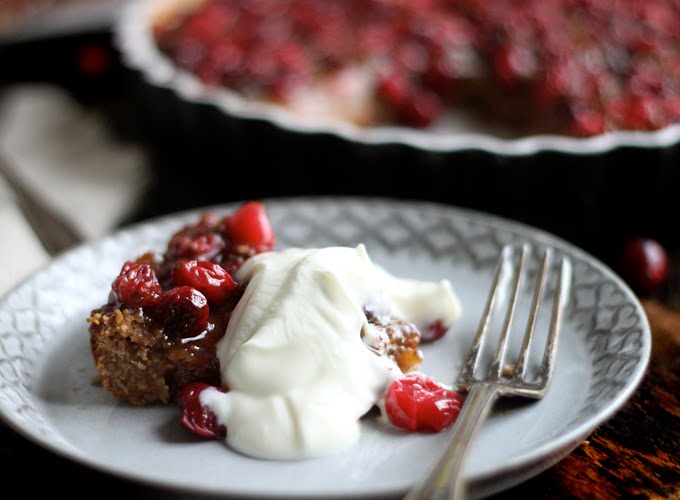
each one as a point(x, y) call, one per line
point(63, 78)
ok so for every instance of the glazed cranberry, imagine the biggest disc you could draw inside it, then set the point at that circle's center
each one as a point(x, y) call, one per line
point(209, 24)
point(199, 244)
point(197, 418)
point(211, 279)
point(433, 331)
point(423, 109)
point(418, 403)
point(183, 312)
point(414, 106)
point(249, 225)
point(513, 63)
point(644, 113)
point(95, 60)
point(395, 89)
point(136, 285)
point(588, 123)
point(441, 75)
point(644, 264)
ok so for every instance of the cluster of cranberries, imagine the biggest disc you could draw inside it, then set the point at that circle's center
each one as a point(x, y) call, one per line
point(179, 289)
point(597, 64)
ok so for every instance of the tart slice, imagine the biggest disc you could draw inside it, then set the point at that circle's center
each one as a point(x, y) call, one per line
point(167, 311)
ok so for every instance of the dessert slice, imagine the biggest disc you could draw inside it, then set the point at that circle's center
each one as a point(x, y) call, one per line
point(167, 311)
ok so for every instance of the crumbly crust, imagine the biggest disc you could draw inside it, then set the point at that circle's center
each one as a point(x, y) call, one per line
point(128, 358)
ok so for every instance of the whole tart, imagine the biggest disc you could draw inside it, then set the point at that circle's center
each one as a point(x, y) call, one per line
point(569, 67)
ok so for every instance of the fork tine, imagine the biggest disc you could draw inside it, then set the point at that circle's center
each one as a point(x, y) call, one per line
point(473, 356)
point(562, 293)
point(497, 363)
point(521, 367)
point(446, 478)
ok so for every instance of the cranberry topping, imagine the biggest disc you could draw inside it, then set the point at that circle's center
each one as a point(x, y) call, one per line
point(197, 418)
point(211, 279)
point(136, 285)
point(198, 243)
point(250, 225)
point(183, 312)
point(418, 403)
point(558, 57)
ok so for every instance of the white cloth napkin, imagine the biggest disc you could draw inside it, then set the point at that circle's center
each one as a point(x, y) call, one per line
point(68, 157)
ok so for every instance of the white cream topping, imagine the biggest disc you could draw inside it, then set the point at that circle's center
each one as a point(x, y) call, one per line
point(299, 375)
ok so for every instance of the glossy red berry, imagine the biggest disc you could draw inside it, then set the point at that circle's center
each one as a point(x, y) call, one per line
point(183, 312)
point(250, 225)
point(136, 285)
point(197, 418)
point(418, 403)
point(644, 264)
point(433, 331)
point(195, 245)
point(423, 109)
point(211, 279)
point(94, 60)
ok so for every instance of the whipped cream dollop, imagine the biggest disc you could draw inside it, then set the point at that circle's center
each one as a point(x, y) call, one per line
point(299, 375)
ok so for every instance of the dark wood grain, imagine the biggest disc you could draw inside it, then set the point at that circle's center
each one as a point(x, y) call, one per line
point(637, 452)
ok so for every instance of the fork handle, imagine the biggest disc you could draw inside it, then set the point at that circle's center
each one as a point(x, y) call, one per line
point(445, 480)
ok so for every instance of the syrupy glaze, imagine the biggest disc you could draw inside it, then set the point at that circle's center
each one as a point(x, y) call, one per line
point(195, 358)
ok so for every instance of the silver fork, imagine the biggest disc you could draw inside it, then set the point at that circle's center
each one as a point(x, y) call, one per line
point(445, 480)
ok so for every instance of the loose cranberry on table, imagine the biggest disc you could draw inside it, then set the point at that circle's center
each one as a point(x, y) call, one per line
point(644, 264)
point(197, 418)
point(418, 403)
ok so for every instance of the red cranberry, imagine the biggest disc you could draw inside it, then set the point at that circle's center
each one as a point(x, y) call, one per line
point(211, 279)
point(197, 418)
point(250, 225)
point(588, 123)
point(433, 331)
point(136, 285)
point(183, 312)
point(95, 60)
point(423, 109)
point(209, 24)
point(514, 63)
point(644, 264)
point(418, 403)
point(395, 89)
point(199, 244)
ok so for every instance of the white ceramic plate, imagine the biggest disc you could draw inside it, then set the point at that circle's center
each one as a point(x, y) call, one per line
point(46, 367)
point(455, 133)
